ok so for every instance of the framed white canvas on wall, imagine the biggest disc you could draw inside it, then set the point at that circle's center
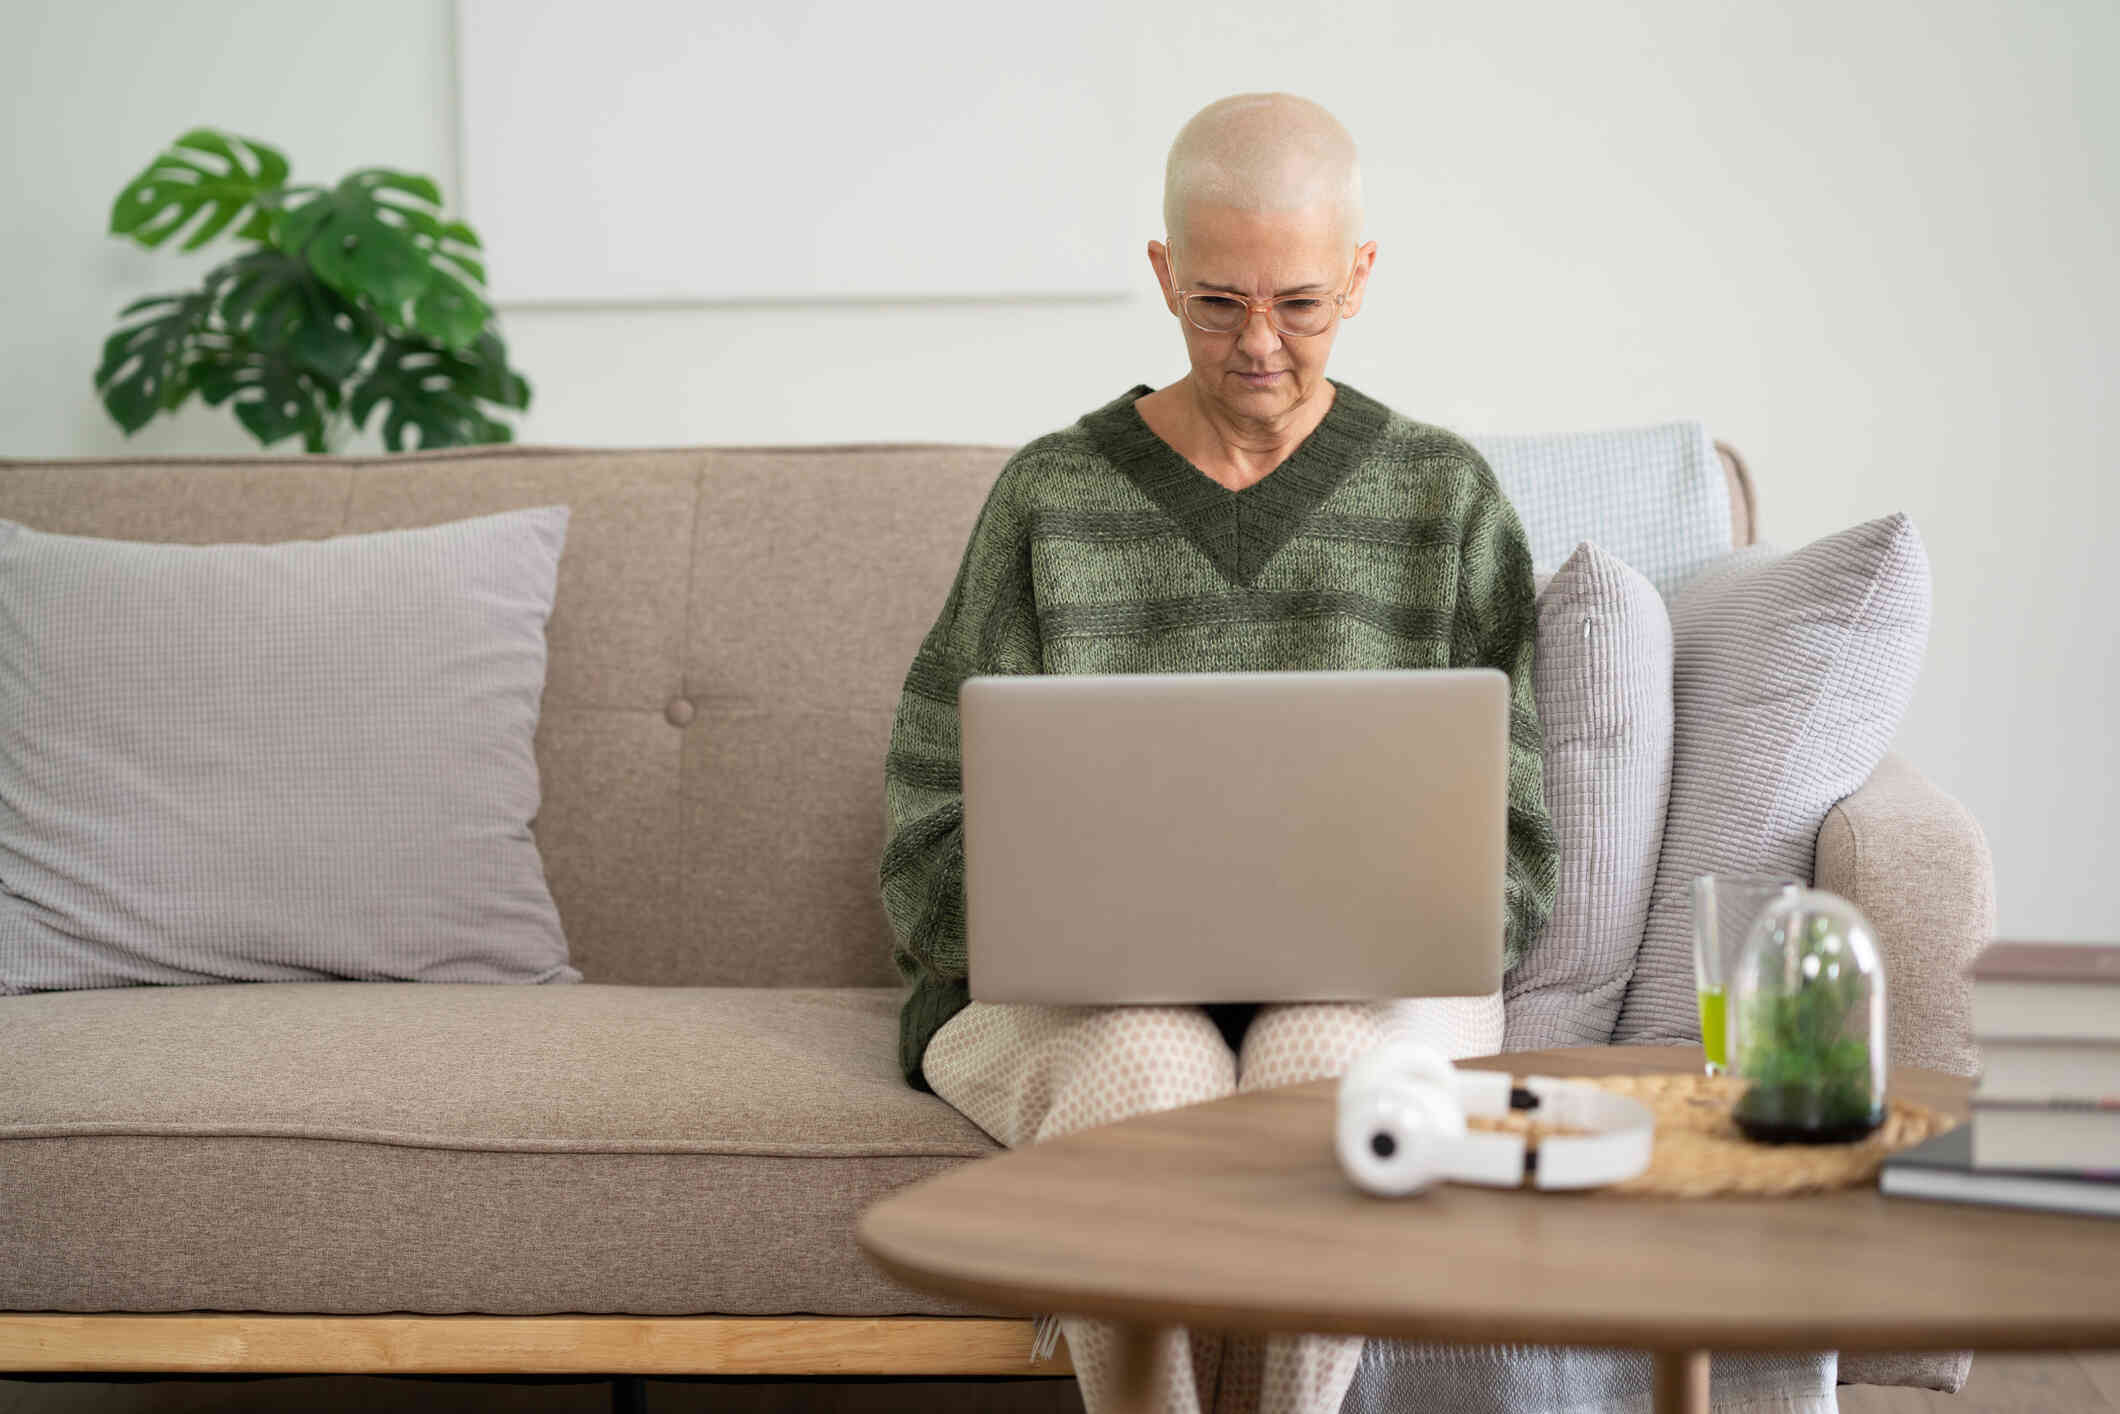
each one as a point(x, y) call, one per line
point(650, 150)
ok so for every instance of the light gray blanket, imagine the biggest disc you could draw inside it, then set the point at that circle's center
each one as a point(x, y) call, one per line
point(1400, 1377)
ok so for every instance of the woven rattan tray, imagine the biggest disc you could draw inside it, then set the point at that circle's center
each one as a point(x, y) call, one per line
point(1701, 1154)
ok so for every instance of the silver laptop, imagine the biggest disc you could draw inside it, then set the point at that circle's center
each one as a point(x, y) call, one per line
point(1234, 837)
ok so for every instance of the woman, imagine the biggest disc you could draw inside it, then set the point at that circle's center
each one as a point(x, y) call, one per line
point(1252, 515)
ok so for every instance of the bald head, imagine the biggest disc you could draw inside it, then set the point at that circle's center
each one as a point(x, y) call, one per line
point(1262, 152)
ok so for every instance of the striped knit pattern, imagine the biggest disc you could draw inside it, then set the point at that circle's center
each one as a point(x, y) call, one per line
point(1379, 543)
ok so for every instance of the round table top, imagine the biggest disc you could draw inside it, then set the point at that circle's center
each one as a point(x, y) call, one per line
point(1235, 1215)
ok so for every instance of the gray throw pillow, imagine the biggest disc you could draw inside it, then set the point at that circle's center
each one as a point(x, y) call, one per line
point(1791, 676)
point(1602, 675)
point(271, 763)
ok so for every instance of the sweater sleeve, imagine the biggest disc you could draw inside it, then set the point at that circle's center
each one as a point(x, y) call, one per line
point(1496, 626)
point(988, 624)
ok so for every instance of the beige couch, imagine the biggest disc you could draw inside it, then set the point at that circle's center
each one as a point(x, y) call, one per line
point(674, 1151)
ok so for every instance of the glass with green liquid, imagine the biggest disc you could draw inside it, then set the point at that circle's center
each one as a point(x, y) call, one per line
point(1713, 1037)
point(1724, 908)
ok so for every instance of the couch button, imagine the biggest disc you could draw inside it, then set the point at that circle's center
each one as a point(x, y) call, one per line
point(680, 712)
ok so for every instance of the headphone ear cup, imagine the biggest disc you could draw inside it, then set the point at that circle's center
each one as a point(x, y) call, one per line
point(1395, 1132)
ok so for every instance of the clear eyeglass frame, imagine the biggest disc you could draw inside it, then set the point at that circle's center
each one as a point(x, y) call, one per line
point(1214, 312)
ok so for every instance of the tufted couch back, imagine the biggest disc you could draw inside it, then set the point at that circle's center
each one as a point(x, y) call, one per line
point(732, 630)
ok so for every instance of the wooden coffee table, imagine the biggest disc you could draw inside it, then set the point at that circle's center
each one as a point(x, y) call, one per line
point(1234, 1215)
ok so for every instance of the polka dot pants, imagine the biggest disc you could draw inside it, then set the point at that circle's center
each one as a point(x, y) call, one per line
point(1024, 1073)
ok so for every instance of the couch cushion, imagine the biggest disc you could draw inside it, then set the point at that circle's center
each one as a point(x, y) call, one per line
point(729, 638)
point(288, 762)
point(1603, 679)
point(445, 1147)
point(1790, 676)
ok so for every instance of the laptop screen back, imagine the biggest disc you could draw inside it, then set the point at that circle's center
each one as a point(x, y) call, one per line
point(1234, 837)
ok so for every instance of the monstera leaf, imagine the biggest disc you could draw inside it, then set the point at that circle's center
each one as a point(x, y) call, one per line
point(146, 365)
point(449, 311)
point(176, 186)
point(439, 390)
point(274, 396)
point(371, 239)
point(280, 306)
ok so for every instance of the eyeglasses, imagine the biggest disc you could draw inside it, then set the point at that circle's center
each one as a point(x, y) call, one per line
point(1298, 316)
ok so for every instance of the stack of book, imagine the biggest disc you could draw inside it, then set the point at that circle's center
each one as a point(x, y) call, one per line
point(2045, 1131)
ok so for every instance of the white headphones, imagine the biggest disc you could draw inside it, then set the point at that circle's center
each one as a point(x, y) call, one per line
point(1402, 1126)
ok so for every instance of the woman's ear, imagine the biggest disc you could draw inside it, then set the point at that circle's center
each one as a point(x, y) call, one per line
point(1364, 259)
point(1159, 261)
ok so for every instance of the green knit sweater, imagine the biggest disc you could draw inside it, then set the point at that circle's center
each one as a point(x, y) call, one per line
point(1379, 543)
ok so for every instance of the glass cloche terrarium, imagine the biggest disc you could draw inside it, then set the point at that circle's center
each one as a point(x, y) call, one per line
point(1807, 1023)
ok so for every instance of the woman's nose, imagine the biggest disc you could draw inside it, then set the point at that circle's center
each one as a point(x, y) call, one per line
point(1258, 334)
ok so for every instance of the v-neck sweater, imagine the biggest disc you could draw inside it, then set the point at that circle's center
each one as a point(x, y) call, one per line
point(1379, 542)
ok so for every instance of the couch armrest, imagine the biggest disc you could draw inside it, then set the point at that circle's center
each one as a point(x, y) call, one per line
point(1914, 860)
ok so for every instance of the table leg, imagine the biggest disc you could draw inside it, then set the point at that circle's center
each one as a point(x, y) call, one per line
point(1134, 1375)
point(1681, 1382)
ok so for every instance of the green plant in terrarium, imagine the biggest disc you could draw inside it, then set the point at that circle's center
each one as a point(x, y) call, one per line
point(352, 297)
point(1810, 1032)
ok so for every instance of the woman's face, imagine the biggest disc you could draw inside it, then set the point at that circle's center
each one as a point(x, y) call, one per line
point(1258, 255)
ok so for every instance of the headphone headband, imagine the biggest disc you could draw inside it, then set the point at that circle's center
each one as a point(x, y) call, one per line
point(1402, 1110)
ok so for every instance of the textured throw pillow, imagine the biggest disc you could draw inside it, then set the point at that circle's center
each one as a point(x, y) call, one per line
point(1602, 675)
point(1791, 675)
point(271, 763)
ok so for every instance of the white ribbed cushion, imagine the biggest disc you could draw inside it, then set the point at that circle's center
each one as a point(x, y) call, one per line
point(1791, 675)
point(250, 763)
point(1602, 675)
point(1656, 496)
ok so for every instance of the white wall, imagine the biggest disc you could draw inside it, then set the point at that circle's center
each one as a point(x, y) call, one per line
point(1871, 244)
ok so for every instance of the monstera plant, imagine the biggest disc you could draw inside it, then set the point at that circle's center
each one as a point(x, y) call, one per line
point(351, 298)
